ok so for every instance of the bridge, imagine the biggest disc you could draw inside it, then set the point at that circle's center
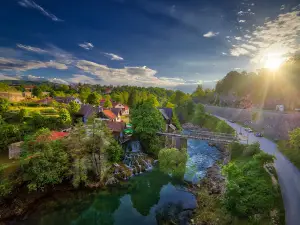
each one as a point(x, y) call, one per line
point(203, 135)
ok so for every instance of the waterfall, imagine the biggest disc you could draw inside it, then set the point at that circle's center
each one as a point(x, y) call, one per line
point(137, 162)
point(133, 146)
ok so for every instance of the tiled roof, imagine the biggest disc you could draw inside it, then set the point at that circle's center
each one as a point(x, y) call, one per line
point(55, 135)
point(87, 110)
point(126, 107)
point(109, 114)
point(115, 126)
point(116, 111)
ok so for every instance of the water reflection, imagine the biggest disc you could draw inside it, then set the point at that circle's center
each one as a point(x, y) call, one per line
point(136, 204)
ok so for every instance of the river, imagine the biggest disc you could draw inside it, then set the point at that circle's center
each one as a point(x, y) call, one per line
point(144, 197)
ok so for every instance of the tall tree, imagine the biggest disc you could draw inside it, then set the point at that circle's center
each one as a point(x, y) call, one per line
point(37, 92)
point(94, 98)
point(84, 92)
point(4, 104)
point(73, 107)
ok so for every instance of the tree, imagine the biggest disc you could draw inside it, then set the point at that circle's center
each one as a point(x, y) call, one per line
point(37, 92)
point(84, 92)
point(170, 105)
point(23, 113)
point(65, 116)
point(9, 134)
point(6, 185)
point(175, 121)
point(199, 115)
point(4, 105)
point(94, 98)
point(146, 120)
point(173, 161)
point(114, 151)
point(44, 161)
point(73, 107)
point(295, 138)
point(107, 104)
point(152, 98)
point(199, 92)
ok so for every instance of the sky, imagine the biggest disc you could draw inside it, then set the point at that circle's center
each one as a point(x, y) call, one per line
point(174, 44)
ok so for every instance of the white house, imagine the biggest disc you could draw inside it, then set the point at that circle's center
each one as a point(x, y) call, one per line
point(124, 108)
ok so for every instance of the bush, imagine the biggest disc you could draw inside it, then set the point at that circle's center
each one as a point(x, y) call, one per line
point(114, 152)
point(32, 104)
point(9, 134)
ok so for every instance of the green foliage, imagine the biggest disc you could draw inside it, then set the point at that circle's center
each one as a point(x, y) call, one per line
point(250, 191)
point(254, 116)
point(48, 111)
point(175, 121)
point(23, 113)
point(185, 110)
point(94, 98)
point(4, 104)
point(170, 105)
point(45, 161)
point(6, 88)
point(84, 92)
point(173, 161)
point(107, 104)
point(6, 185)
point(152, 98)
point(65, 116)
point(146, 120)
point(223, 127)
point(294, 140)
point(114, 151)
point(73, 107)
point(199, 92)
point(199, 115)
point(37, 92)
point(9, 134)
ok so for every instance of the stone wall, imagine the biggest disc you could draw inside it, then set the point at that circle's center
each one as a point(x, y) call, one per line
point(275, 125)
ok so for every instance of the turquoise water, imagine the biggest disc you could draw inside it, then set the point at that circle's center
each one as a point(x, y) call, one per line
point(137, 203)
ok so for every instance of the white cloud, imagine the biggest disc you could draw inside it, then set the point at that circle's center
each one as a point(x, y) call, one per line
point(278, 36)
point(22, 65)
point(224, 53)
point(282, 7)
point(114, 56)
point(140, 76)
point(5, 77)
point(210, 34)
point(238, 38)
point(78, 78)
point(239, 51)
point(242, 21)
point(86, 45)
point(58, 81)
point(32, 4)
point(34, 78)
point(31, 49)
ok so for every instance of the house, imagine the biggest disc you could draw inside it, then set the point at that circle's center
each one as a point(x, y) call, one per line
point(108, 114)
point(67, 100)
point(107, 91)
point(167, 113)
point(125, 108)
point(116, 128)
point(14, 150)
point(86, 111)
point(45, 101)
point(118, 113)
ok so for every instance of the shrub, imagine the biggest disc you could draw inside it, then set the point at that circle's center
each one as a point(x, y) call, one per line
point(48, 111)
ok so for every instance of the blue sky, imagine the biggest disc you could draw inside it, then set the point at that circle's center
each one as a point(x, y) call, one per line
point(174, 44)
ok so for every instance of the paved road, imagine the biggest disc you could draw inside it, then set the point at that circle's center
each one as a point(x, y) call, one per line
point(288, 175)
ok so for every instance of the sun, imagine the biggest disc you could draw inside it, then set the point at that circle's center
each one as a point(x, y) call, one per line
point(273, 61)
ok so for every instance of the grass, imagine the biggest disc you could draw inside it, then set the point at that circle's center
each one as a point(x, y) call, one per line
point(292, 154)
point(17, 108)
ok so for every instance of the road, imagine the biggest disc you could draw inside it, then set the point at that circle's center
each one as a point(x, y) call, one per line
point(288, 175)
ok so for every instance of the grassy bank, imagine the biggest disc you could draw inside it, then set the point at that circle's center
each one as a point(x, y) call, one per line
point(293, 154)
point(251, 196)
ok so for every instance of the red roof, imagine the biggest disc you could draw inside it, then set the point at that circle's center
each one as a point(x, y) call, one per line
point(126, 107)
point(55, 135)
point(109, 114)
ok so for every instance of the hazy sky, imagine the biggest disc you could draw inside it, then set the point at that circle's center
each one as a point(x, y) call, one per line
point(176, 44)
